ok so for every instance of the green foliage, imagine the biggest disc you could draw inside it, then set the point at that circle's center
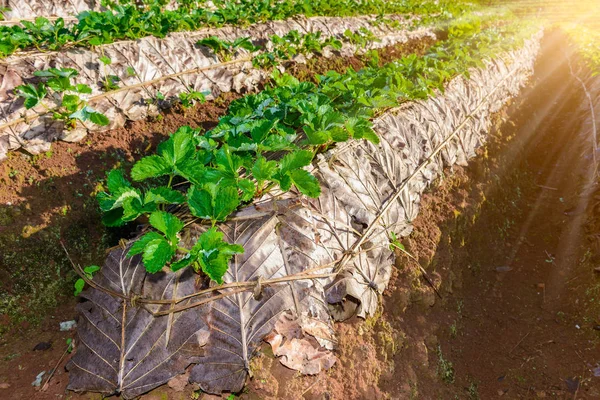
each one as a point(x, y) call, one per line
point(360, 38)
point(89, 272)
point(587, 43)
point(188, 99)
point(158, 248)
point(225, 49)
point(270, 138)
point(293, 43)
point(70, 106)
point(126, 20)
point(211, 254)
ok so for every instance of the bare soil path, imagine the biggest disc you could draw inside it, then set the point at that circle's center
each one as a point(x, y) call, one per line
point(521, 322)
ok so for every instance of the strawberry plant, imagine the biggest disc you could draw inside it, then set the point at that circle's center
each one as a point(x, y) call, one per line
point(360, 38)
point(191, 97)
point(57, 85)
point(225, 49)
point(110, 81)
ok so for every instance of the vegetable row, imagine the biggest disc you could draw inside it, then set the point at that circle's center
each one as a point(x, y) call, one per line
point(128, 21)
point(268, 139)
point(131, 80)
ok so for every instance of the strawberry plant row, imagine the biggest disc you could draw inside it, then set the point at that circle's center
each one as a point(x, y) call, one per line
point(267, 140)
point(127, 20)
point(139, 76)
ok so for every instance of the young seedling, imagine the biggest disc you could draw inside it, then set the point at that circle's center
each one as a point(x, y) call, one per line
point(110, 81)
point(191, 97)
point(226, 49)
point(58, 84)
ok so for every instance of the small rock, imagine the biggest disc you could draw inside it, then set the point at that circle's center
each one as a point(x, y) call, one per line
point(38, 379)
point(4, 385)
point(504, 268)
point(41, 346)
point(67, 325)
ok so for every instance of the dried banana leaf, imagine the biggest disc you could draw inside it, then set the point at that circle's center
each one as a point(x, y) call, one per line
point(47, 8)
point(122, 347)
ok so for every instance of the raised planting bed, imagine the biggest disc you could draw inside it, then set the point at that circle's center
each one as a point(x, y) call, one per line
point(209, 280)
point(126, 81)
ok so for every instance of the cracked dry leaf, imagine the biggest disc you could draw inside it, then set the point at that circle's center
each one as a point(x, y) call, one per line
point(122, 348)
point(299, 350)
point(357, 289)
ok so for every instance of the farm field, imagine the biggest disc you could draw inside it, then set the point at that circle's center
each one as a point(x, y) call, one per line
point(304, 200)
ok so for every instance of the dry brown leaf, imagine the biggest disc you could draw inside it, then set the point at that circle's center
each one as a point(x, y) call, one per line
point(298, 350)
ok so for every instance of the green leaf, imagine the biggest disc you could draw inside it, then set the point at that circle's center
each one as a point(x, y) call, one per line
point(261, 131)
point(157, 254)
point(168, 224)
point(116, 180)
point(33, 95)
point(59, 84)
point(228, 162)
point(139, 245)
point(105, 60)
point(214, 253)
point(263, 170)
point(164, 195)
point(150, 167)
point(179, 147)
point(133, 207)
point(193, 170)
point(113, 218)
point(185, 261)
point(248, 189)
point(79, 285)
point(30, 103)
point(71, 103)
point(214, 202)
point(89, 114)
point(200, 202)
point(306, 183)
point(316, 137)
point(226, 201)
point(83, 89)
point(90, 270)
point(297, 159)
point(361, 129)
point(99, 118)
